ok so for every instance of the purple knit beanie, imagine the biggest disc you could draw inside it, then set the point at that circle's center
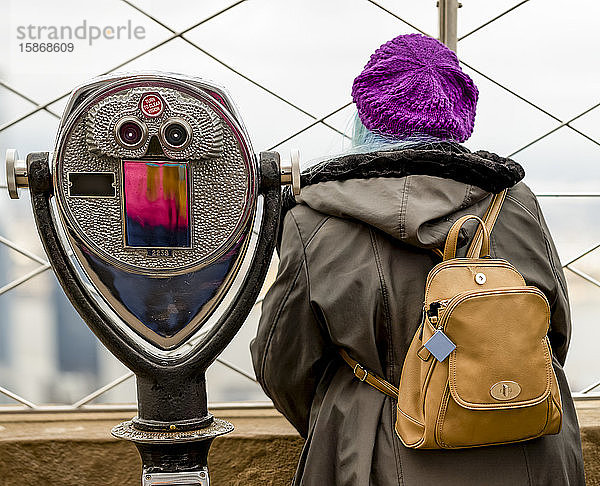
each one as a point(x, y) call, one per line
point(413, 85)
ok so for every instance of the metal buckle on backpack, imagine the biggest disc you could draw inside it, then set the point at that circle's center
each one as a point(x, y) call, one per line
point(359, 367)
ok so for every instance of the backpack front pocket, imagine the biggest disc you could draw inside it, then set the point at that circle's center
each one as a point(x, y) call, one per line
point(500, 374)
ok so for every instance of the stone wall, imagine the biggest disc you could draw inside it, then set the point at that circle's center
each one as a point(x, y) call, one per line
point(76, 449)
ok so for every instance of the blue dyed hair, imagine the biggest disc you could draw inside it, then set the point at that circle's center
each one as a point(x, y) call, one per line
point(364, 140)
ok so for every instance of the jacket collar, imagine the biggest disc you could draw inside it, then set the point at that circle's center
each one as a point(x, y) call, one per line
point(486, 170)
point(447, 160)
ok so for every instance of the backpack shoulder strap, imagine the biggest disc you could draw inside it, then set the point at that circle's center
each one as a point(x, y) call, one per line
point(369, 378)
point(489, 219)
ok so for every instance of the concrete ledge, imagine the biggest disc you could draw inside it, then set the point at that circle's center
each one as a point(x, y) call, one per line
point(64, 449)
point(76, 449)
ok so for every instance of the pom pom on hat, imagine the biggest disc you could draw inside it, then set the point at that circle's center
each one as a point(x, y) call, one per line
point(414, 85)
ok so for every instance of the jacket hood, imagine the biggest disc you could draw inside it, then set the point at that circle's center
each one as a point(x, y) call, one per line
point(414, 195)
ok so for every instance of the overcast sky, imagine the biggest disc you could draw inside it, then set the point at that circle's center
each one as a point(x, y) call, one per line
point(308, 52)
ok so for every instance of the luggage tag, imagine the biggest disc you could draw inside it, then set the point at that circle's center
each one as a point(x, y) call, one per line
point(439, 345)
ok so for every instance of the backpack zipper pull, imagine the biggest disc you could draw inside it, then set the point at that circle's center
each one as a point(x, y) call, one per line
point(435, 308)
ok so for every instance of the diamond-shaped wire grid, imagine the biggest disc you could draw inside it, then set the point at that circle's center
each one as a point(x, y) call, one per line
point(182, 32)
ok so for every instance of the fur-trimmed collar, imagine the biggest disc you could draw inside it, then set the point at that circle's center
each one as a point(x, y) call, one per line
point(447, 160)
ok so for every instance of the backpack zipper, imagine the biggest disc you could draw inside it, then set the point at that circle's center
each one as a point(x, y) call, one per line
point(448, 305)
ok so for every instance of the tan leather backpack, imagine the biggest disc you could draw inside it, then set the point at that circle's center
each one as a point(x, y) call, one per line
point(479, 369)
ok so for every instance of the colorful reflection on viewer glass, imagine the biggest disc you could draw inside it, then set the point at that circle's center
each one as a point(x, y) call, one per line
point(156, 204)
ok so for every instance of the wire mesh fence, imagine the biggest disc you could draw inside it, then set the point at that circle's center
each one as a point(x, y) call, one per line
point(313, 120)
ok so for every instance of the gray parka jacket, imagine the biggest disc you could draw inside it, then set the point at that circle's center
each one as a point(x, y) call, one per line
point(354, 256)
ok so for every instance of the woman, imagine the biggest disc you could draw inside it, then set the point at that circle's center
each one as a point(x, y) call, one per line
point(355, 250)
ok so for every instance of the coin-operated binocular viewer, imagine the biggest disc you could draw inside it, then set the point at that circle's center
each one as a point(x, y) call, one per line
point(159, 222)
